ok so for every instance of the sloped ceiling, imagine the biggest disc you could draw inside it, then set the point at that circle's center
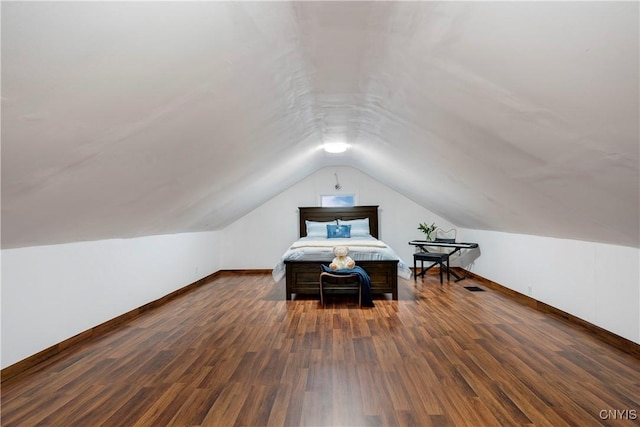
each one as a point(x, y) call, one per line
point(124, 119)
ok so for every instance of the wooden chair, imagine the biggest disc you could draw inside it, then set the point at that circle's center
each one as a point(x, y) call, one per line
point(340, 284)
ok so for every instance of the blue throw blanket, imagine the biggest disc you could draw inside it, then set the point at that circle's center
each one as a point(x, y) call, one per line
point(367, 299)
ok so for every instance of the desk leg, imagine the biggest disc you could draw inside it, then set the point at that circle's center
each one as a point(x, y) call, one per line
point(453, 273)
point(457, 278)
point(423, 271)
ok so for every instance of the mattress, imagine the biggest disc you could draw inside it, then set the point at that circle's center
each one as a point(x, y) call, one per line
point(362, 248)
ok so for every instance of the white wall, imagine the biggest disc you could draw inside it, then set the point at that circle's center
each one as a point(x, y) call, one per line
point(259, 238)
point(596, 282)
point(51, 293)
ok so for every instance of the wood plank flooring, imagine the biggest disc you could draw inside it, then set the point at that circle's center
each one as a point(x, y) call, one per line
point(235, 353)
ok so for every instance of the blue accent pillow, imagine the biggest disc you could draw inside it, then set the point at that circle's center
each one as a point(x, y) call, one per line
point(338, 231)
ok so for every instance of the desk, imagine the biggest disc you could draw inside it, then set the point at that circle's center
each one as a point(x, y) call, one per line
point(457, 247)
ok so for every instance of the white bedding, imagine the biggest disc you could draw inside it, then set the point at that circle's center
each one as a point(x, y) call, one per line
point(360, 249)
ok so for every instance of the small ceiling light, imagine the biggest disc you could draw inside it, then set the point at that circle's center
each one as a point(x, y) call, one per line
point(337, 186)
point(335, 147)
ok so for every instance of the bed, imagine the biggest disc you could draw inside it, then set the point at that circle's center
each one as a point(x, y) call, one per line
point(300, 264)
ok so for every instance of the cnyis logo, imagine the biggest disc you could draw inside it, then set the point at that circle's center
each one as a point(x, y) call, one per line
point(618, 414)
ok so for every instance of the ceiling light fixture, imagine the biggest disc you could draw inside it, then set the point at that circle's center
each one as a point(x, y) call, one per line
point(335, 147)
point(337, 186)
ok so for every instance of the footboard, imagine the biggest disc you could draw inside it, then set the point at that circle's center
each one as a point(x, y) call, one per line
point(302, 277)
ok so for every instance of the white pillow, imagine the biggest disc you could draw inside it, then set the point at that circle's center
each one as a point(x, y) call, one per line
point(317, 228)
point(359, 227)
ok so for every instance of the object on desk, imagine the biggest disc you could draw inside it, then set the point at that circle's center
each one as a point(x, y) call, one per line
point(456, 245)
point(427, 230)
point(443, 240)
point(451, 234)
point(440, 240)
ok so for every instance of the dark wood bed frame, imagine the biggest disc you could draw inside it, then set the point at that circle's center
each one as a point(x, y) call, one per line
point(302, 276)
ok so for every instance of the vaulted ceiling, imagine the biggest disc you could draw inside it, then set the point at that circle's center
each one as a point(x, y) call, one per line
point(124, 119)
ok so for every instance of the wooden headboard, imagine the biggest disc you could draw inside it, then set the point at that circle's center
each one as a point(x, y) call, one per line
point(345, 213)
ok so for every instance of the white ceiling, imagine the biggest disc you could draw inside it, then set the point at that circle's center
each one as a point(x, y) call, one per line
point(123, 119)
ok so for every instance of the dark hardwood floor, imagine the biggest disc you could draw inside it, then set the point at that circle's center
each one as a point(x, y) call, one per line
point(234, 352)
